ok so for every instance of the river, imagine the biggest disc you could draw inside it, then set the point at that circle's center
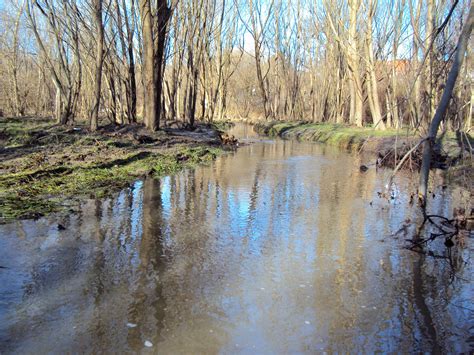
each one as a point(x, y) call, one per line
point(280, 247)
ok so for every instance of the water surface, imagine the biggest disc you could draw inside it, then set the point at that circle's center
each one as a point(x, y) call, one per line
point(281, 247)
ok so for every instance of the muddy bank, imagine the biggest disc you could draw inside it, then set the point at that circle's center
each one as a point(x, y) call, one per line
point(43, 166)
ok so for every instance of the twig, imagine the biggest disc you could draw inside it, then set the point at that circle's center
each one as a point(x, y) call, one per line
point(399, 165)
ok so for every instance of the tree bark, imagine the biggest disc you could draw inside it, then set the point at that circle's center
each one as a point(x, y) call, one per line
point(94, 116)
point(353, 62)
point(154, 36)
point(148, 72)
point(443, 106)
point(372, 91)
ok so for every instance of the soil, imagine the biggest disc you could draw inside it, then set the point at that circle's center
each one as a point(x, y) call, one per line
point(42, 163)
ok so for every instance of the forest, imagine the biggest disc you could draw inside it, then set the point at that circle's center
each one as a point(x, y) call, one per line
point(373, 63)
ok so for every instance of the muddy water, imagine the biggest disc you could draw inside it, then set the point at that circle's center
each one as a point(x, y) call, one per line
point(274, 249)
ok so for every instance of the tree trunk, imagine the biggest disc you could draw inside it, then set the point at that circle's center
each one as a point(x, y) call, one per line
point(372, 79)
point(443, 105)
point(154, 35)
point(148, 71)
point(132, 85)
point(353, 62)
point(94, 117)
point(163, 14)
point(429, 29)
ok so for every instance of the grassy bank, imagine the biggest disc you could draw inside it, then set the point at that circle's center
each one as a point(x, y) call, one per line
point(44, 167)
point(355, 138)
point(343, 136)
point(454, 149)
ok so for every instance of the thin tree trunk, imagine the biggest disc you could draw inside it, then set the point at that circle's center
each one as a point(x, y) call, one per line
point(18, 106)
point(443, 105)
point(99, 63)
point(372, 79)
point(132, 85)
point(353, 61)
point(163, 14)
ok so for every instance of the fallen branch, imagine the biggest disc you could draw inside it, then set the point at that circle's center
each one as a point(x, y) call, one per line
point(405, 157)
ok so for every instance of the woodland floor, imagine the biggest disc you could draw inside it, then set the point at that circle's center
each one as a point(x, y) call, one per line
point(44, 166)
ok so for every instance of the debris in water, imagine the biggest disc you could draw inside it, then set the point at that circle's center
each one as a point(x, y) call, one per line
point(302, 286)
point(448, 243)
point(131, 325)
point(307, 322)
point(148, 344)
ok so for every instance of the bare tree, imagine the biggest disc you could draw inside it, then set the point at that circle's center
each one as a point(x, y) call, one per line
point(443, 105)
point(94, 116)
point(207, 59)
point(154, 19)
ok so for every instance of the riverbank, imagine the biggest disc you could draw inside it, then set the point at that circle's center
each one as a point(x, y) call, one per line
point(345, 137)
point(390, 145)
point(45, 168)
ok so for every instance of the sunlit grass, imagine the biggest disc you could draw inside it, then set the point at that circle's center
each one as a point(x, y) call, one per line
point(335, 134)
point(29, 194)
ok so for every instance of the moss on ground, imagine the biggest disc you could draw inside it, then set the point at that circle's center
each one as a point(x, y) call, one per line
point(39, 192)
point(344, 136)
point(16, 132)
point(44, 167)
point(222, 125)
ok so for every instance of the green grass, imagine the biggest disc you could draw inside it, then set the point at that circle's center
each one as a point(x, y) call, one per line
point(334, 134)
point(38, 192)
point(18, 131)
point(222, 125)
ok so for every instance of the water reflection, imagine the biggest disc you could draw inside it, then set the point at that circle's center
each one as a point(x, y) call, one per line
point(273, 249)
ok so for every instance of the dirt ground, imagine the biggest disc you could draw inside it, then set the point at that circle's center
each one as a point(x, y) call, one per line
point(42, 164)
